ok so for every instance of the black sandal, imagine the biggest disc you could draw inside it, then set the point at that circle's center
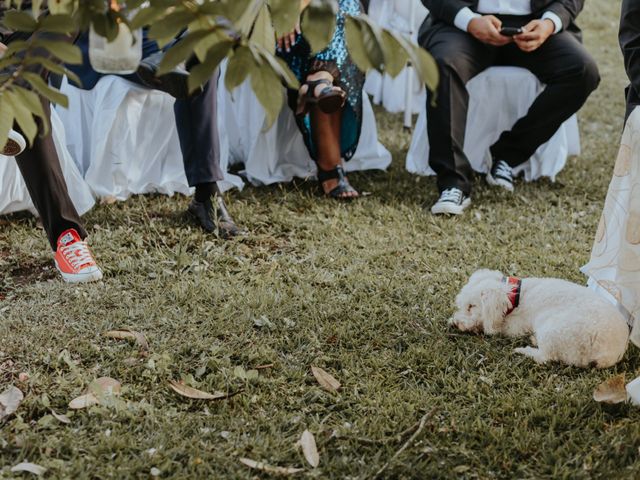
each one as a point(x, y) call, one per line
point(343, 184)
point(329, 101)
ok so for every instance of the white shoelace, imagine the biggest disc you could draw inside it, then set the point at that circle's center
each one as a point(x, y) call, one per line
point(452, 195)
point(503, 170)
point(78, 254)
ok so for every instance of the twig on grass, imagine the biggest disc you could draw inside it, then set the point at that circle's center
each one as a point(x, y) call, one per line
point(395, 438)
point(264, 367)
point(407, 444)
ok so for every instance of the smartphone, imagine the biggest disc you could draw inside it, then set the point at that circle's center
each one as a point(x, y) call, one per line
point(510, 31)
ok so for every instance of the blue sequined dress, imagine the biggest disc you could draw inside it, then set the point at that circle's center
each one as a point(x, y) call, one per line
point(336, 60)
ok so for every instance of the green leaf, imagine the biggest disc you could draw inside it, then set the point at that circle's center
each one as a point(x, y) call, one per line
point(6, 118)
point(19, 21)
point(23, 116)
point(57, 23)
point(269, 92)
point(425, 65)
point(66, 52)
point(43, 89)
point(165, 30)
point(215, 36)
point(32, 101)
point(263, 33)
point(202, 72)
point(356, 46)
point(240, 64)
point(395, 57)
point(179, 52)
point(319, 24)
point(285, 15)
point(249, 16)
point(372, 39)
point(146, 17)
point(279, 66)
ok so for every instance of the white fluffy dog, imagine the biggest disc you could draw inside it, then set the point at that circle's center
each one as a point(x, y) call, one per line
point(568, 323)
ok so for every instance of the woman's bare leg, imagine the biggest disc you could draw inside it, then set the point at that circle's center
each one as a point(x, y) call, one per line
point(325, 131)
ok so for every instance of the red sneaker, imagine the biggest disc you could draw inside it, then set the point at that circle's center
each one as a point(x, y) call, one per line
point(15, 145)
point(74, 260)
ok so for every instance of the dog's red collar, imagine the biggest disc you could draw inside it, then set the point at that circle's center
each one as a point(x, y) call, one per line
point(514, 292)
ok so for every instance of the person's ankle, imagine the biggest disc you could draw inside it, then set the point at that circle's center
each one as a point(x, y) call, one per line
point(204, 191)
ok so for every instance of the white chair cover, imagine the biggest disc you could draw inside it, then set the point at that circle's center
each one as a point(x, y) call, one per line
point(498, 98)
point(124, 140)
point(391, 92)
point(14, 196)
point(279, 154)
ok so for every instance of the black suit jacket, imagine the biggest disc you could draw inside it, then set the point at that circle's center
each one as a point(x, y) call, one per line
point(630, 43)
point(568, 10)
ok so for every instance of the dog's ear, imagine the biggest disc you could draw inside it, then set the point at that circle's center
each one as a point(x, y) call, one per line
point(485, 274)
point(494, 303)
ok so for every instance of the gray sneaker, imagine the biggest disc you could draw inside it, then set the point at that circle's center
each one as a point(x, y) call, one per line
point(452, 201)
point(501, 175)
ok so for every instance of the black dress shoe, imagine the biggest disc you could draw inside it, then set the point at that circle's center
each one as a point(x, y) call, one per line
point(175, 83)
point(213, 217)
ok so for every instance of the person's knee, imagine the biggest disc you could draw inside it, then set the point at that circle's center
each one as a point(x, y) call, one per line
point(590, 75)
point(449, 65)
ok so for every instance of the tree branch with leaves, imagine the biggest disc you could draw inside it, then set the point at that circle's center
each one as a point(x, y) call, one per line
point(242, 32)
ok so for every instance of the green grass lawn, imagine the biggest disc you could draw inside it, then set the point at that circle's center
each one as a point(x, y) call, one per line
point(362, 290)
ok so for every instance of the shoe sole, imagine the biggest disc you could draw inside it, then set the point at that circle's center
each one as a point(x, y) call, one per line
point(80, 277)
point(14, 147)
point(496, 182)
point(450, 209)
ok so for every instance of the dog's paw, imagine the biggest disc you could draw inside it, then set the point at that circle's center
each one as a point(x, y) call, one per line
point(533, 353)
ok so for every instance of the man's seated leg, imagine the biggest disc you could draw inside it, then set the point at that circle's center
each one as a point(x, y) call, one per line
point(40, 168)
point(570, 75)
point(460, 57)
point(43, 177)
point(197, 122)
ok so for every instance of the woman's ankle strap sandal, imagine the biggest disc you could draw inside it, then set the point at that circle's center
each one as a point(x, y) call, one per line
point(329, 101)
point(343, 187)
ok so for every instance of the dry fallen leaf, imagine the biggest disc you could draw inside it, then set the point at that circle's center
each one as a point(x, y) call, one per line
point(191, 392)
point(611, 391)
point(29, 467)
point(127, 334)
point(309, 448)
point(60, 418)
point(264, 467)
point(104, 386)
point(83, 401)
point(101, 388)
point(10, 400)
point(325, 380)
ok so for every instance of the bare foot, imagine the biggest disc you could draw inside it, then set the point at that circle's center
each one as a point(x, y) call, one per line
point(330, 185)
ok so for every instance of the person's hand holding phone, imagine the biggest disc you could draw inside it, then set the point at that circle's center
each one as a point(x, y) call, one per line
point(535, 33)
point(487, 30)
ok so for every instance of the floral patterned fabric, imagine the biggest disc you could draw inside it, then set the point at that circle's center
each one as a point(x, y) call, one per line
point(615, 259)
